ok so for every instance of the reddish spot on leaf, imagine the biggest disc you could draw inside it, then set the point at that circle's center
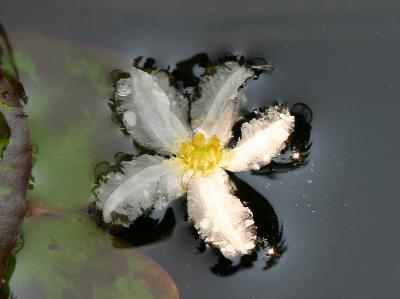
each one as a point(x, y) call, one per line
point(38, 211)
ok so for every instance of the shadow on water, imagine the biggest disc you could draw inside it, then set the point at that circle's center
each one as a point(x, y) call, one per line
point(271, 243)
point(145, 230)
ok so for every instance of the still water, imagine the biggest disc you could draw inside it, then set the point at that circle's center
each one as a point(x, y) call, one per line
point(336, 218)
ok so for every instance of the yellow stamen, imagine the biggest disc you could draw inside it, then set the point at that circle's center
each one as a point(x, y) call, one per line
point(200, 155)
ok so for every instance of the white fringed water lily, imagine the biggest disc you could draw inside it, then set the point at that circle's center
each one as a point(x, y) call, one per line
point(192, 159)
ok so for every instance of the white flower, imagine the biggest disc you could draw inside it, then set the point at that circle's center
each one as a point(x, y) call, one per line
point(192, 159)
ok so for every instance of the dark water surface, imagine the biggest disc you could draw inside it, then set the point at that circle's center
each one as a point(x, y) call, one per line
point(340, 212)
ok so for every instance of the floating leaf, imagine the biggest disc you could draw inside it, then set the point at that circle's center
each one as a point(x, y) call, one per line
point(68, 257)
point(15, 167)
point(65, 255)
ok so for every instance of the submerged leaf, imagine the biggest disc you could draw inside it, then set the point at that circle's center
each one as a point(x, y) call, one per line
point(219, 216)
point(262, 139)
point(153, 112)
point(219, 105)
point(146, 182)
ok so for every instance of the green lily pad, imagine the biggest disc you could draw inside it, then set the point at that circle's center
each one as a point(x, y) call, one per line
point(64, 254)
point(68, 257)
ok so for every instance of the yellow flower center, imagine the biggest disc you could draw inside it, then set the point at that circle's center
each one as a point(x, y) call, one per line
point(201, 154)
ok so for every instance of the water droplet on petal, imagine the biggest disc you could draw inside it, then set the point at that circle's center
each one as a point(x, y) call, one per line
point(130, 118)
point(123, 87)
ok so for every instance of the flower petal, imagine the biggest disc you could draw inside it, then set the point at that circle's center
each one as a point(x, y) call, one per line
point(219, 216)
point(153, 111)
point(148, 181)
point(262, 139)
point(218, 108)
